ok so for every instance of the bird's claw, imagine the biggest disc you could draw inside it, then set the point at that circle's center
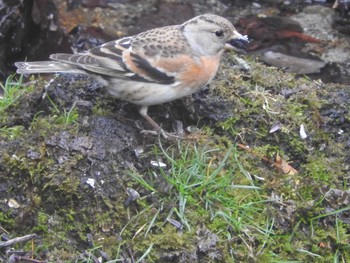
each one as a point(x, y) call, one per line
point(165, 135)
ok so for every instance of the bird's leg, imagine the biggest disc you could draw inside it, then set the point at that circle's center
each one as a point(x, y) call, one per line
point(143, 111)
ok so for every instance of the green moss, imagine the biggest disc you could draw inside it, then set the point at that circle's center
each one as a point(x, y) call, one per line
point(42, 223)
point(101, 108)
point(11, 133)
point(6, 219)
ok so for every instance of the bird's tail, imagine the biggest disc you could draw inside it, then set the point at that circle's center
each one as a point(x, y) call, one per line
point(45, 67)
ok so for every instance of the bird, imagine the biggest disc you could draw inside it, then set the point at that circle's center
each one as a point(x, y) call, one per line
point(155, 66)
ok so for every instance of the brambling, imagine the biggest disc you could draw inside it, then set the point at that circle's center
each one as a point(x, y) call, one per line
point(155, 66)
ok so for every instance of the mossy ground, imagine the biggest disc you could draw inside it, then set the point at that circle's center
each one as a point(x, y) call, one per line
point(213, 202)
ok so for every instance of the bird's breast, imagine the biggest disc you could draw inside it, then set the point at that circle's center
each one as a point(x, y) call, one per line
point(199, 73)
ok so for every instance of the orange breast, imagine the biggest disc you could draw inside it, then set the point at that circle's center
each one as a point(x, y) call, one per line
point(199, 74)
point(190, 72)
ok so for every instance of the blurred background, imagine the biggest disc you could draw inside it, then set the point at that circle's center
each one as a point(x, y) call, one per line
point(302, 36)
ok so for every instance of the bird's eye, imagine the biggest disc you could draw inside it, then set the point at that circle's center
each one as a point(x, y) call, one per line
point(219, 33)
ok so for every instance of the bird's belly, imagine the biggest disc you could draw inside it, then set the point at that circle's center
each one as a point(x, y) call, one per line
point(146, 94)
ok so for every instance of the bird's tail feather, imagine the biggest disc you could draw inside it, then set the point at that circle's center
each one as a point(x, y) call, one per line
point(45, 67)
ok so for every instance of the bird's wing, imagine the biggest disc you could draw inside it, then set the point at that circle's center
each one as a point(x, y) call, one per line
point(117, 59)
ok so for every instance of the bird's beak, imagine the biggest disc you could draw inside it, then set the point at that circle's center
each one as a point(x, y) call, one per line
point(238, 43)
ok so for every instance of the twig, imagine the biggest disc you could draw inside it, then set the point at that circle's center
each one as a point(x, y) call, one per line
point(17, 240)
point(21, 259)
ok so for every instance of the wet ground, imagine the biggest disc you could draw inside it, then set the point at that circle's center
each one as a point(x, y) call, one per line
point(67, 148)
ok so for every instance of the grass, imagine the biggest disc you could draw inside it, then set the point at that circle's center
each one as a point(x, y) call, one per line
point(210, 178)
point(211, 186)
point(13, 90)
point(63, 116)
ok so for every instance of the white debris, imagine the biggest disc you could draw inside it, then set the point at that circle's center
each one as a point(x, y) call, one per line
point(302, 132)
point(91, 182)
point(158, 164)
point(275, 127)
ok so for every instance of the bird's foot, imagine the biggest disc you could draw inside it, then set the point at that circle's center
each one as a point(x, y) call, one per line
point(178, 134)
point(164, 134)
